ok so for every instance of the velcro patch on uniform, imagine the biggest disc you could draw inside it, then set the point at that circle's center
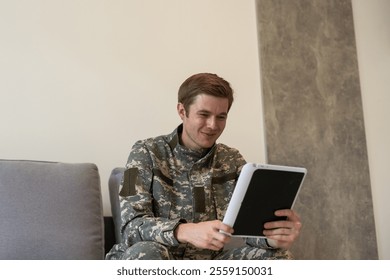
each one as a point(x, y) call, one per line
point(199, 200)
point(129, 180)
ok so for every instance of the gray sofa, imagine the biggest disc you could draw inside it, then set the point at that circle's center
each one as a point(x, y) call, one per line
point(50, 210)
point(53, 210)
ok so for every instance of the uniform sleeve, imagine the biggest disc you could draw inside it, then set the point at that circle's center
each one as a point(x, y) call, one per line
point(138, 220)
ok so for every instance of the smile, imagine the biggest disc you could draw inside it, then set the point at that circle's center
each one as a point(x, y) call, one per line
point(209, 134)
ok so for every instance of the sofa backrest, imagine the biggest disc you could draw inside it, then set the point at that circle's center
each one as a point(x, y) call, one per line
point(50, 210)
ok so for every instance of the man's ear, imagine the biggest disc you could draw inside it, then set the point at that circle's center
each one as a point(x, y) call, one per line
point(181, 110)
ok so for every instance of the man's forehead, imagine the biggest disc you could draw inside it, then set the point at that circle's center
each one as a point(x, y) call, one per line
point(205, 102)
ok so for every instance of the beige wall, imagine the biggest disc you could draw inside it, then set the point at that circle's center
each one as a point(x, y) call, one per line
point(372, 23)
point(82, 80)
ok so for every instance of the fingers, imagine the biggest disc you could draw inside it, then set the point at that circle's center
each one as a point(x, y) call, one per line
point(224, 228)
point(281, 238)
point(292, 220)
point(206, 235)
point(283, 224)
point(290, 214)
point(217, 244)
point(283, 233)
point(220, 235)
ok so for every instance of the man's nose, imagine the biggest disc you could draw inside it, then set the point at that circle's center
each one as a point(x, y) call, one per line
point(211, 122)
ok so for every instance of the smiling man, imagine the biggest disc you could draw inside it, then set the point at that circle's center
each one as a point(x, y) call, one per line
point(179, 186)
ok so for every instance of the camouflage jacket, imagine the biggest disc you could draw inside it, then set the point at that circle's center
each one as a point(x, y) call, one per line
point(166, 184)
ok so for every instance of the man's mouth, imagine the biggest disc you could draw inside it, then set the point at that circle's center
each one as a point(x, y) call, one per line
point(209, 134)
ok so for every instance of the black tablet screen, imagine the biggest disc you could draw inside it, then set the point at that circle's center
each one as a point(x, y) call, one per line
point(268, 191)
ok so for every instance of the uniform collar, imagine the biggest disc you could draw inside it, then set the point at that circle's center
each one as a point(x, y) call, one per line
point(174, 143)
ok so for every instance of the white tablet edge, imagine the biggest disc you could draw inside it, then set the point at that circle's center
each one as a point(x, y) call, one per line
point(238, 196)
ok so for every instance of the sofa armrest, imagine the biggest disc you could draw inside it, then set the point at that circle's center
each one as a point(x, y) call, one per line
point(113, 185)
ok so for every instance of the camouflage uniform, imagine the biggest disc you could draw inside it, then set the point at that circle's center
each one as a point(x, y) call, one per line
point(166, 184)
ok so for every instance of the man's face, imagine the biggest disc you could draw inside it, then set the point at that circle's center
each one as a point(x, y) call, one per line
point(204, 122)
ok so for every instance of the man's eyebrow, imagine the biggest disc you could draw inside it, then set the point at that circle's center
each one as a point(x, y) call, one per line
point(223, 114)
point(203, 111)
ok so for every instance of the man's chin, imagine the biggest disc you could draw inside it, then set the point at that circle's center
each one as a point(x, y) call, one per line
point(208, 144)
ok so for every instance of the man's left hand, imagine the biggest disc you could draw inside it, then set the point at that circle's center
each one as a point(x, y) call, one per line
point(282, 234)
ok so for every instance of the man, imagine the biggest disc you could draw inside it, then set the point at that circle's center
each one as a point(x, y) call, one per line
point(177, 187)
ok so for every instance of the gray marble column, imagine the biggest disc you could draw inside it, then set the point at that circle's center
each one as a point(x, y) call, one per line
point(314, 118)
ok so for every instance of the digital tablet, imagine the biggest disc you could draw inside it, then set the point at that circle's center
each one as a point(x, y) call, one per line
point(262, 189)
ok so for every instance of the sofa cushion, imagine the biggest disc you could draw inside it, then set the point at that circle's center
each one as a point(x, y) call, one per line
point(50, 210)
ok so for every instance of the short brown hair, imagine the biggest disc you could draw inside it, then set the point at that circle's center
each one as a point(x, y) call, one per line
point(204, 83)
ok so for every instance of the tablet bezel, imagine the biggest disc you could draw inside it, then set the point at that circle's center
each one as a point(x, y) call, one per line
point(244, 181)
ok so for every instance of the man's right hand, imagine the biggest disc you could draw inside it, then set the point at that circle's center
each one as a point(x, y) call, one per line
point(204, 235)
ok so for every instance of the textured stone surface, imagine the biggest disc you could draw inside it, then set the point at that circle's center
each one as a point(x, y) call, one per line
point(314, 118)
